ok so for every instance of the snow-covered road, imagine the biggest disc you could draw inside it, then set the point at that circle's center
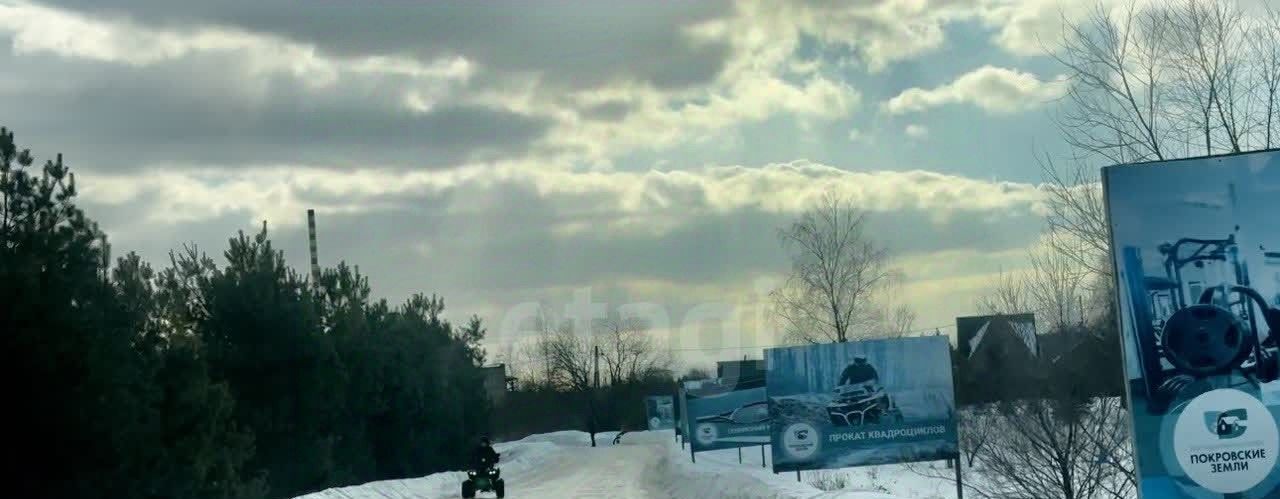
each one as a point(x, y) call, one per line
point(646, 465)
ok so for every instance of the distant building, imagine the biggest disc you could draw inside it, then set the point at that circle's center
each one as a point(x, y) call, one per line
point(497, 383)
point(1092, 361)
point(740, 369)
point(999, 332)
point(999, 356)
point(663, 374)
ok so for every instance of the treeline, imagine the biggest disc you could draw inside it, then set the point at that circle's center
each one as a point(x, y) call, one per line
point(535, 409)
point(1075, 363)
point(200, 380)
point(558, 374)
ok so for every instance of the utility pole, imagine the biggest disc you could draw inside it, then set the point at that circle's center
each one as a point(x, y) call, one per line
point(311, 234)
point(594, 394)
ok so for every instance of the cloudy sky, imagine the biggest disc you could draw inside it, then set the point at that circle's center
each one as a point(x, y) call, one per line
point(505, 152)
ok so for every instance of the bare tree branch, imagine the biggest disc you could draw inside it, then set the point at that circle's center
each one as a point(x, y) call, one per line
point(628, 351)
point(836, 268)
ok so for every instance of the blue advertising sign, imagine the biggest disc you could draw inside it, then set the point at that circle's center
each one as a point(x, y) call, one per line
point(660, 412)
point(869, 402)
point(1196, 247)
point(726, 414)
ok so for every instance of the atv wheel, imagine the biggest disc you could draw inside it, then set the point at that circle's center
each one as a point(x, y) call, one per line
point(499, 488)
point(468, 489)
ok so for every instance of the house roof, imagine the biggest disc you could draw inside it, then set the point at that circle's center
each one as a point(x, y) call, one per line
point(1055, 346)
point(973, 332)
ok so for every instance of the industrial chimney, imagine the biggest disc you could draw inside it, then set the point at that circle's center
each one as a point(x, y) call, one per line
point(311, 229)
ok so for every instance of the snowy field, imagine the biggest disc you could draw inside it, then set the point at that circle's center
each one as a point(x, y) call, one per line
point(562, 465)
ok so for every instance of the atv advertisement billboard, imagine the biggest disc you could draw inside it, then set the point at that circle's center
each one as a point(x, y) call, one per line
point(1196, 248)
point(726, 414)
point(660, 412)
point(861, 403)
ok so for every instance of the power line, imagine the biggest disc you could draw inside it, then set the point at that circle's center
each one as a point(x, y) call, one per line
point(721, 348)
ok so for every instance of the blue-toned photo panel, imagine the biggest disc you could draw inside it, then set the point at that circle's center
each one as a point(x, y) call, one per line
point(862, 403)
point(1196, 246)
point(724, 414)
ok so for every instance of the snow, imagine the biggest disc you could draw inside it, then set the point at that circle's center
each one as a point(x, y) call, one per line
point(562, 465)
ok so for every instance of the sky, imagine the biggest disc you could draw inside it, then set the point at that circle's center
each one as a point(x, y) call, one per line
point(508, 153)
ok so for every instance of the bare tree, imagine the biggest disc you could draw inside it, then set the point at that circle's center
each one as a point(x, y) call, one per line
point(1008, 295)
point(569, 357)
point(628, 351)
point(836, 268)
point(1264, 45)
point(1209, 74)
point(977, 427)
point(898, 321)
point(1156, 82)
point(1077, 215)
point(570, 363)
point(1046, 448)
point(537, 364)
point(1115, 450)
point(1054, 289)
point(890, 317)
point(1055, 286)
point(1116, 101)
point(1049, 449)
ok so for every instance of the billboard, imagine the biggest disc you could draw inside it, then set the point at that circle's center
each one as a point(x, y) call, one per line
point(725, 414)
point(869, 402)
point(660, 412)
point(1195, 245)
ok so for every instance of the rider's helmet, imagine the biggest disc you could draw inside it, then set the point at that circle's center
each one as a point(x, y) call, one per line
point(484, 441)
point(860, 359)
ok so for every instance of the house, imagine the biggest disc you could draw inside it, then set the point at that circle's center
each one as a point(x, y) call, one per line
point(740, 369)
point(1090, 360)
point(1015, 331)
point(998, 356)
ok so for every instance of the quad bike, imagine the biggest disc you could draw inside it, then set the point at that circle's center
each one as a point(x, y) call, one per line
point(483, 481)
point(861, 404)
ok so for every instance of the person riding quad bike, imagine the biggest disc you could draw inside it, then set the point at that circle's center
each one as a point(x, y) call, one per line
point(859, 372)
point(484, 456)
point(483, 475)
point(859, 399)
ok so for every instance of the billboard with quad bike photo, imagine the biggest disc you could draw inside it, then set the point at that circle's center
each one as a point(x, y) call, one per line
point(726, 413)
point(1196, 247)
point(861, 403)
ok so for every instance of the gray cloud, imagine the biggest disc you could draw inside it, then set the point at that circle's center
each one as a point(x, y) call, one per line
point(576, 44)
point(508, 243)
point(198, 110)
point(607, 111)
